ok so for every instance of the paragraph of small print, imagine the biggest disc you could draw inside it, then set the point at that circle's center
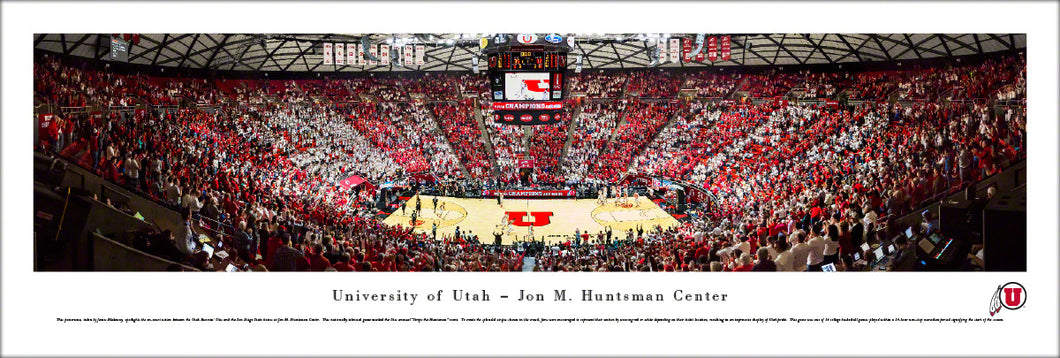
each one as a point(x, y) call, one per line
point(524, 320)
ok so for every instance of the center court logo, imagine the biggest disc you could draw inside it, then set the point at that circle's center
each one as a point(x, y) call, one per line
point(1011, 295)
point(541, 218)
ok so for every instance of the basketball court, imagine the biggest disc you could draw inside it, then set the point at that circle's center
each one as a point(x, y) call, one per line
point(553, 219)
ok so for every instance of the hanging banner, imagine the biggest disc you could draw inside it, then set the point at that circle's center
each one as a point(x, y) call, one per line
point(374, 54)
point(700, 54)
point(340, 54)
point(712, 48)
point(360, 56)
point(726, 48)
point(675, 48)
point(408, 55)
point(384, 54)
point(328, 57)
point(686, 50)
point(663, 55)
point(351, 54)
point(419, 55)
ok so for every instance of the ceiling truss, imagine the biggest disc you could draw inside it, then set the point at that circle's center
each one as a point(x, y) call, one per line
point(453, 52)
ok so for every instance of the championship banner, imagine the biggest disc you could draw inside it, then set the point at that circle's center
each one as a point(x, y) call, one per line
point(408, 55)
point(712, 48)
point(351, 55)
point(360, 56)
point(686, 50)
point(530, 193)
point(374, 54)
point(675, 56)
point(340, 54)
point(328, 57)
point(419, 55)
point(662, 52)
point(384, 54)
point(701, 55)
point(726, 48)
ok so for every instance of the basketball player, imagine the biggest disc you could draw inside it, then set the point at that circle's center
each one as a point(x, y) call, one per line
point(500, 199)
point(600, 199)
point(441, 211)
point(435, 200)
point(531, 232)
point(636, 199)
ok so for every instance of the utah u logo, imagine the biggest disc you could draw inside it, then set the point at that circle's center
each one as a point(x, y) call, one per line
point(541, 218)
point(536, 85)
point(1011, 295)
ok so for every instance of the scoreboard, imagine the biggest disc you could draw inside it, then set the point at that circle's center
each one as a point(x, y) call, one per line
point(527, 76)
point(528, 60)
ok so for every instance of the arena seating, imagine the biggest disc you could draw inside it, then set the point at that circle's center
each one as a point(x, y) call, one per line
point(271, 155)
point(593, 130)
point(458, 123)
point(599, 85)
point(640, 123)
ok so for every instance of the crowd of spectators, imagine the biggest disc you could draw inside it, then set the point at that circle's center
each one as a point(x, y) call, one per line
point(68, 86)
point(640, 122)
point(434, 87)
point(508, 145)
point(807, 164)
point(871, 85)
point(592, 131)
point(654, 84)
point(795, 186)
point(546, 145)
point(773, 84)
point(458, 122)
point(709, 84)
point(599, 85)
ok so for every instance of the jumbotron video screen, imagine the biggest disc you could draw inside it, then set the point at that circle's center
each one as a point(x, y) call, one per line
point(527, 74)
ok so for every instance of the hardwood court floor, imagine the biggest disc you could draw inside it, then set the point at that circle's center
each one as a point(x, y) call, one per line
point(484, 217)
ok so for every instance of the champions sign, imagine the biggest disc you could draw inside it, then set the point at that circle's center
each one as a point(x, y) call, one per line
point(530, 193)
point(516, 106)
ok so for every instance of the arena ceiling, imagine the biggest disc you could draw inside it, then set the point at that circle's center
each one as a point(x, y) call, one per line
point(454, 52)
